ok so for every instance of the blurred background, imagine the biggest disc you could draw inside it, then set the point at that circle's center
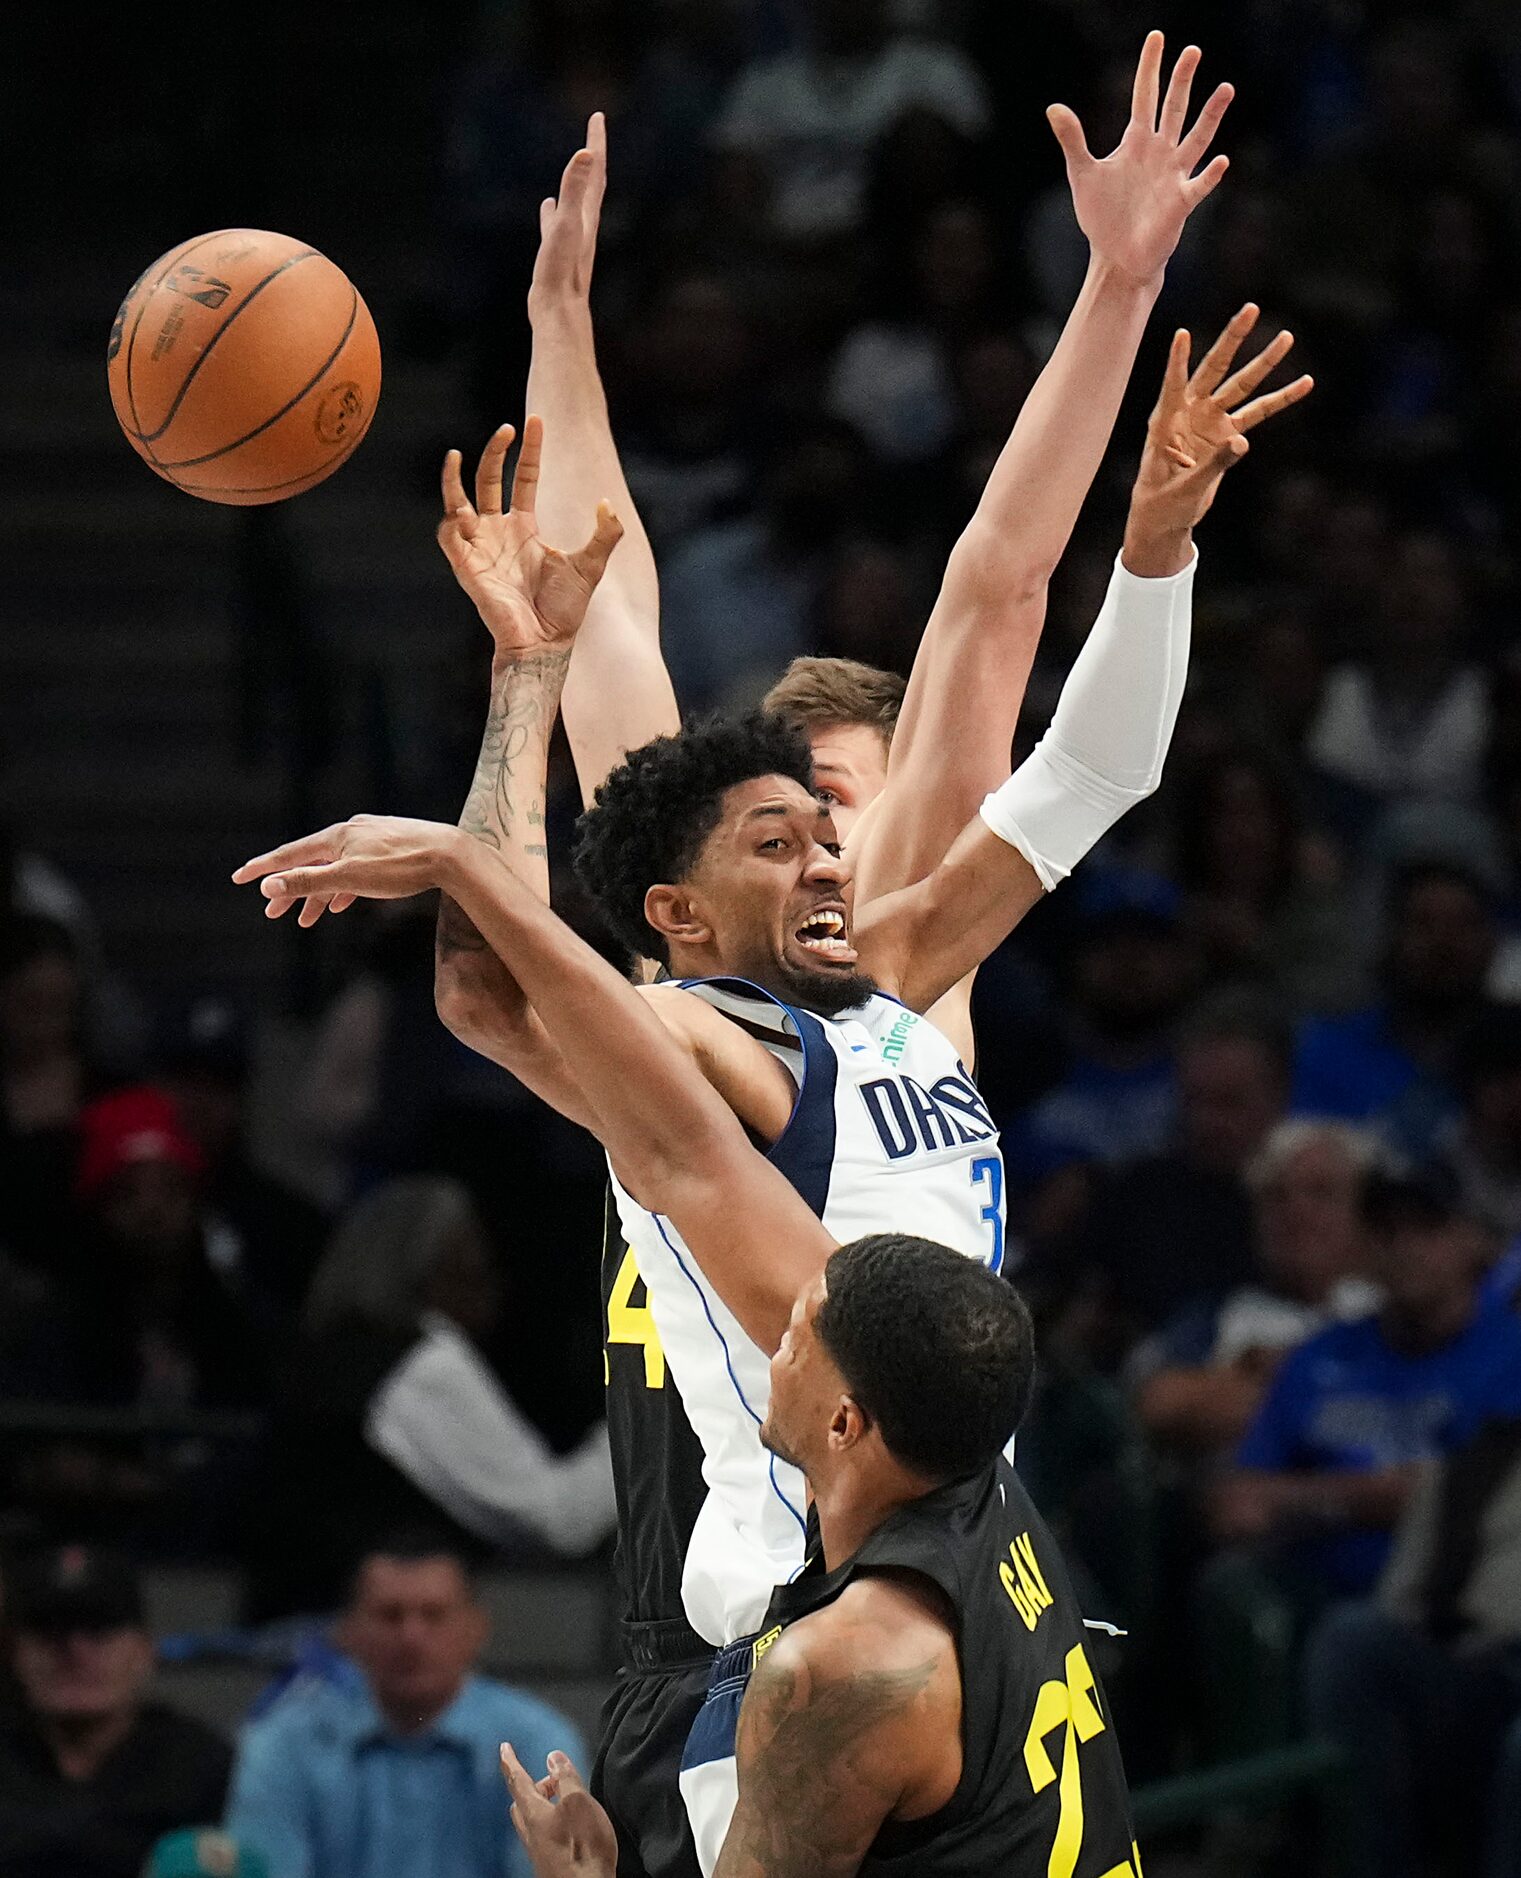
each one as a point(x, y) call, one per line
point(244, 1173)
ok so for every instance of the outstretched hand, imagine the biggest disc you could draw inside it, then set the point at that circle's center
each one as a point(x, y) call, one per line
point(1132, 204)
point(568, 224)
point(368, 857)
point(532, 597)
point(1200, 423)
point(567, 1834)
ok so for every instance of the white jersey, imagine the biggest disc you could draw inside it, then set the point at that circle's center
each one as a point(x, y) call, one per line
point(888, 1134)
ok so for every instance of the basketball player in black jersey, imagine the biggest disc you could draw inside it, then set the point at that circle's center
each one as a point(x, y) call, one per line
point(920, 1699)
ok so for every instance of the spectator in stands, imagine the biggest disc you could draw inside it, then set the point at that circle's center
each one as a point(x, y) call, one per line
point(400, 1775)
point(1172, 1230)
point(738, 599)
point(688, 419)
point(893, 379)
point(161, 1312)
point(1392, 1065)
point(1200, 1383)
point(1130, 973)
point(1412, 718)
point(271, 1235)
point(1260, 890)
point(91, 1771)
point(1327, 1466)
point(1421, 1687)
point(45, 1080)
point(810, 117)
point(390, 1415)
point(1484, 1143)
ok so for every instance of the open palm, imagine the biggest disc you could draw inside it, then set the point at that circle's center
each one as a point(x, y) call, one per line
point(1132, 204)
point(531, 596)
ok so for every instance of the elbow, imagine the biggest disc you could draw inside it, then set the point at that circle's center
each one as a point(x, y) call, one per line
point(995, 571)
point(457, 1000)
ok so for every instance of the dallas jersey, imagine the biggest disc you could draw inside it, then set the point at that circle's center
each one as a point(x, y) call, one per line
point(1042, 1786)
point(888, 1134)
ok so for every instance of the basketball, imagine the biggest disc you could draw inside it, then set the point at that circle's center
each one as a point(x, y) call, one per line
point(244, 367)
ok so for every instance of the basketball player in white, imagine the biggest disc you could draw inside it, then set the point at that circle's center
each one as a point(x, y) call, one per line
point(822, 1052)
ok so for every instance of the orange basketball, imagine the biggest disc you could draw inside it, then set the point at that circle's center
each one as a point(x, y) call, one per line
point(244, 366)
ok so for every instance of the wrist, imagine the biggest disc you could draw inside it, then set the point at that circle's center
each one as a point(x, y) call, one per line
point(1153, 552)
point(560, 316)
point(1112, 281)
point(451, 860)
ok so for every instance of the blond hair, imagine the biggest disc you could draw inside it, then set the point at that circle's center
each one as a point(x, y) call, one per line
point(816, 693)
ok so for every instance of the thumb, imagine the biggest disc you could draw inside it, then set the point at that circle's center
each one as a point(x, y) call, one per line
point(591, 561)
point(566, 1775)
point(1069, 134)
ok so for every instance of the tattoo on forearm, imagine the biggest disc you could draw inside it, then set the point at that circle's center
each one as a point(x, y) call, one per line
point(524, 697)
point(791, 1820)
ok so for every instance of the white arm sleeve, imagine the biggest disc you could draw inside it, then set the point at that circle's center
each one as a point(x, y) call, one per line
point(1109, 734)
point(444, 1420)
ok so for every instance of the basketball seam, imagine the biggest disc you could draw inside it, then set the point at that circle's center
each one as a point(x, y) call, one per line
point(193, 462)
point(248, 298)
point(267, 489)
point(174, 257)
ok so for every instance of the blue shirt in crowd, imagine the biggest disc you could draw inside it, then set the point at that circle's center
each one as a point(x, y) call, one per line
point(1354, 1069)
point(1348, 1401)
point(324, 1789)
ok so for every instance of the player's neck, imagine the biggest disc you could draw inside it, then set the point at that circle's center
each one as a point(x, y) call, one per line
point(852, 1507)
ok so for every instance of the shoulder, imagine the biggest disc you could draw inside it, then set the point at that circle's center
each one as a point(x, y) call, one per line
point(311, 1710)
point(882, 1647)
point(506, 1709)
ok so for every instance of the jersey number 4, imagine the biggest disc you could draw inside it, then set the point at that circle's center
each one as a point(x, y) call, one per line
point(628, 1322)
point(1071, 1706)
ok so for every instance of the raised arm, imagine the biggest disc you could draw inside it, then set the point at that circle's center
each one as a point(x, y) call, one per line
point(618, 694)
point(532, 599)
point(1114, 721)
point(953, 738)
point(641, 1085)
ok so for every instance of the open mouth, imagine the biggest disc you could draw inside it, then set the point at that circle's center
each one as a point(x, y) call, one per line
point(823, 933)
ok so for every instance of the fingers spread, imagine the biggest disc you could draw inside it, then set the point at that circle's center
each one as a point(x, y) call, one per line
point(1243, 383)
point(1207, 181)
point(1175, 104)
point(1069, 134)
point(1272, 402)
point(525, 483)
point(1217, 361)
point(1148, 73)
point(488, 473)
point(1198, 140)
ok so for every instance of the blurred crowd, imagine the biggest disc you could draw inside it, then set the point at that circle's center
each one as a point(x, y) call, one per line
point(1258, 1066)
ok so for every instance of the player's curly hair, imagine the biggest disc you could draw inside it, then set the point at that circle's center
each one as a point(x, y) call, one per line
point(936, 1348)
point(650, 818)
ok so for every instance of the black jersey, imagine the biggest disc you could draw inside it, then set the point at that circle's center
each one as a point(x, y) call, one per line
point(657, 1460)
point(1042, 1791)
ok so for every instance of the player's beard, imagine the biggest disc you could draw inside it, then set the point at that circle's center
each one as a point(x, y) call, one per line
point(826, 994)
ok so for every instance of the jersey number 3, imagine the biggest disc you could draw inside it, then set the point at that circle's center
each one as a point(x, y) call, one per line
point(628, 1322)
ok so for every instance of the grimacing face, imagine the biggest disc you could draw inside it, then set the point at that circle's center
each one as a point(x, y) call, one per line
point(850, 771)
point(774, 895)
